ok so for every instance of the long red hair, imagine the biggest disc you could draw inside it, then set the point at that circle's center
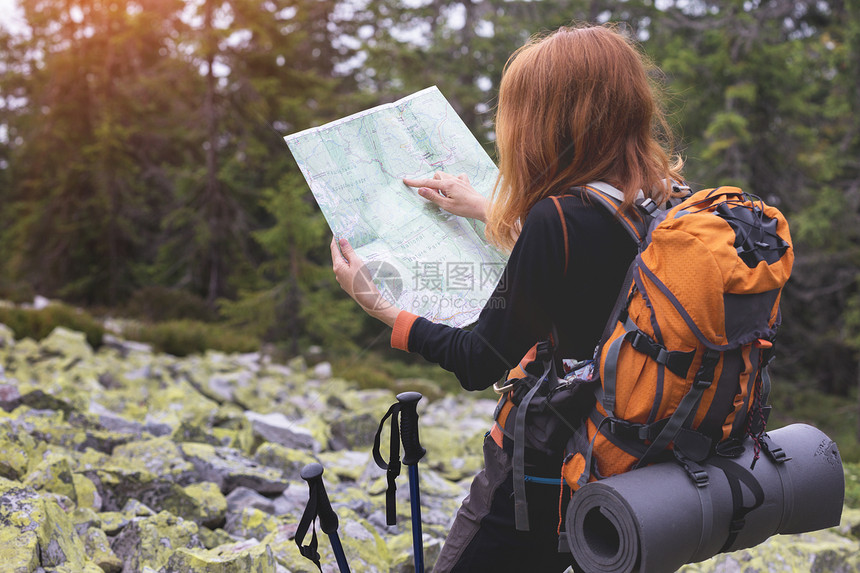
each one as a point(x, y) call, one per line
point(576, 106)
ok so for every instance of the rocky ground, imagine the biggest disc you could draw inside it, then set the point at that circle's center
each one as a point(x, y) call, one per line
point(124, 460)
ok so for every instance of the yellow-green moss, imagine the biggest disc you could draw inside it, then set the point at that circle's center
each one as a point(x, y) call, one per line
point(150, 541)
point(210, 505)
point(13, 464)
point(212, 538)
point(251, 522)
point(99, 551)
point(19, 550)
point(53, 474)
point(256, 559)
point(86, 494)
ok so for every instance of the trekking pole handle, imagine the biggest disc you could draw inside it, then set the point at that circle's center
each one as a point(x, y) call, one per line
point(412, 450)
point(312, 473)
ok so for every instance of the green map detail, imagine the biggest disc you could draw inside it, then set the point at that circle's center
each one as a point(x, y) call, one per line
point(355, 166)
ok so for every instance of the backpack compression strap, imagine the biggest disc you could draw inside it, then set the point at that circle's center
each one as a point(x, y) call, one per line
point(736, 475)
point(521, 511)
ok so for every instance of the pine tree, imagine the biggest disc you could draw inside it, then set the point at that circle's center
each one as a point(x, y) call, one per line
point(86, 159)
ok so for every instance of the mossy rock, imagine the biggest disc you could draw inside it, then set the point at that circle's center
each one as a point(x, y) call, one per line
point(112, 522)
point(197, 432)
point(35, 531)
point(454, 455)
point(225, 559)
point(230, 468)
point(353, 431)
point(251, 522)
point(289, 460)
point(14, 460)
point(53, 474)
point(86, 494)
point(7, 337)
point(159, 456)
point(364, 548)
point(117, 485)
point(68, 343)
point(346, 465)
point(213, 538)
point(816, 552)
point(83, 518)
point(151, 541)
point(209, 504)
point(98, 548)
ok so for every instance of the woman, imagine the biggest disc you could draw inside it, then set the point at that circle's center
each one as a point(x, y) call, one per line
point(575, 106)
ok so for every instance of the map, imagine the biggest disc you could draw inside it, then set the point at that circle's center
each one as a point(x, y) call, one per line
point(422, 258)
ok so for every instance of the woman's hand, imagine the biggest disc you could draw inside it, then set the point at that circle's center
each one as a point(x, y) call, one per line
point(454, 194)
point(354, 277)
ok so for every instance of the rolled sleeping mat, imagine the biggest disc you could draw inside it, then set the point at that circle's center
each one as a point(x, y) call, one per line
point(655, 519)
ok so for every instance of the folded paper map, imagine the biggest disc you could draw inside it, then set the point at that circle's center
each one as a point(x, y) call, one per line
point(423, 259)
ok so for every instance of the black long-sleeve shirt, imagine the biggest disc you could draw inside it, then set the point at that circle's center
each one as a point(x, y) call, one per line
point(545, 282)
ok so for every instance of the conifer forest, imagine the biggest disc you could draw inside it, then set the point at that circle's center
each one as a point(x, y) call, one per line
point(143, 170)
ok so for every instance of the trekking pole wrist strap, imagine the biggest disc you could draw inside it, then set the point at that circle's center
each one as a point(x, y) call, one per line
point(392, 466)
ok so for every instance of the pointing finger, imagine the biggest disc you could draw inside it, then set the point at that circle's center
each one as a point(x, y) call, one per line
point(432, 183)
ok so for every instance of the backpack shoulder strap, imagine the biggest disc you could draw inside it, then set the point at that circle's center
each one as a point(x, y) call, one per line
point(635, 222)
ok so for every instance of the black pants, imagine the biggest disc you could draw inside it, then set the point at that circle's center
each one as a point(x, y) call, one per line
point(484, 536)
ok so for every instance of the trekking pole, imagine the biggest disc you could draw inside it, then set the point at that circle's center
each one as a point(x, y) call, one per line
point(319, 506)
point(412, 453)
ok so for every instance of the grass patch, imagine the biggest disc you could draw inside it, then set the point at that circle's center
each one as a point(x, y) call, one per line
point(184, 337)
point(852, 485)
point(836, 416)
point(39, 323)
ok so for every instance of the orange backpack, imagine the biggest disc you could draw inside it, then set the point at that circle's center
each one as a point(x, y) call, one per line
point(682, 363)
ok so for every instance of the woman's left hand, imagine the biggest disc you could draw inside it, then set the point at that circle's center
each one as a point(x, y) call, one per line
point(354, 278)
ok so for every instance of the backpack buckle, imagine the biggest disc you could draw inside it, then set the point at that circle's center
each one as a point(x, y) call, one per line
point(778, 455)
point(647, 205)
point(700, 384)
point(773, 451)
point(705, 375)
point(696, 472)
point(620, 428)
point(679, 187)
point(700, 477)
point(638, 339)
point(628, 430)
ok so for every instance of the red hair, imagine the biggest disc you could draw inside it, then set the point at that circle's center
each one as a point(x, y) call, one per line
point(576, 106)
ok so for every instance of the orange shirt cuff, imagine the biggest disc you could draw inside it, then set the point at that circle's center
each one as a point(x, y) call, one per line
point(400, 333)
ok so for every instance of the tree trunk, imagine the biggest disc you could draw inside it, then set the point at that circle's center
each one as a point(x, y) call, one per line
point(211, 201)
